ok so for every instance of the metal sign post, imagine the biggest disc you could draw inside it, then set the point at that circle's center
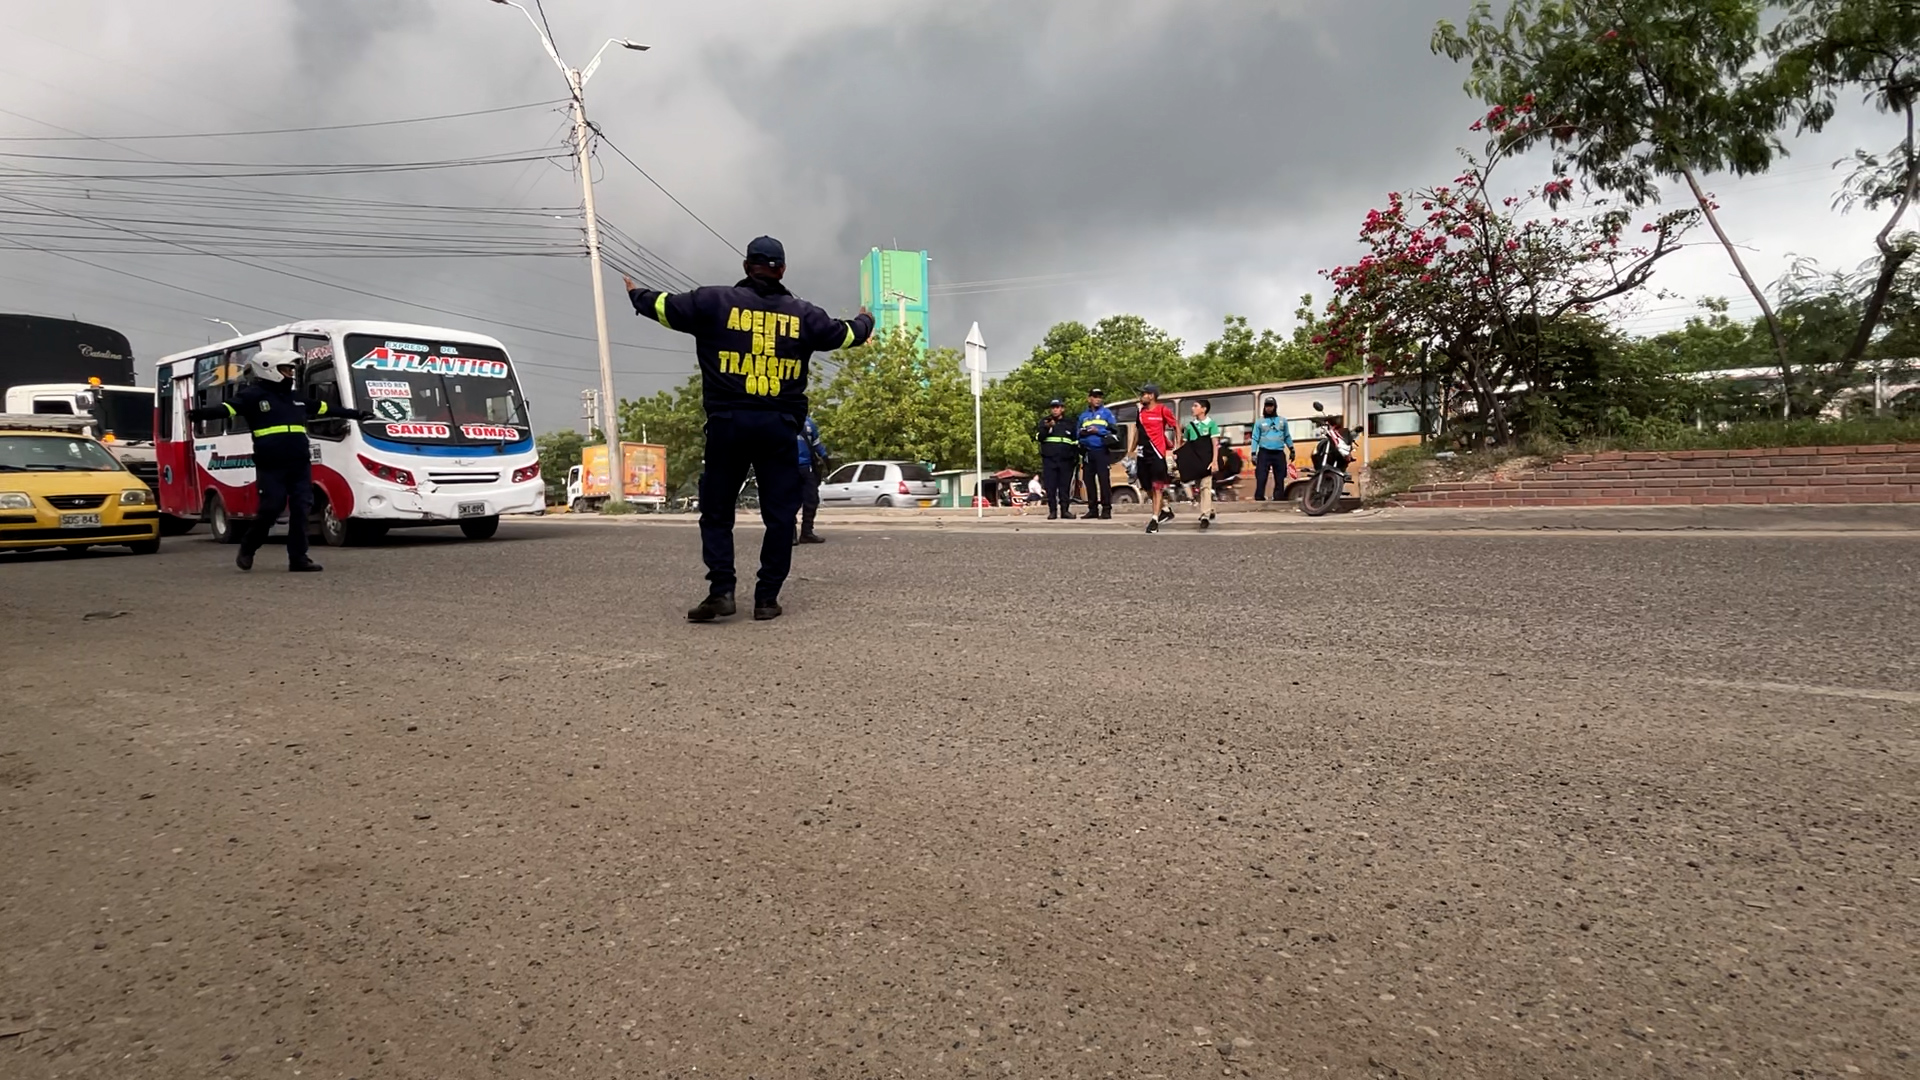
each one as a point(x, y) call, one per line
point(977, 368)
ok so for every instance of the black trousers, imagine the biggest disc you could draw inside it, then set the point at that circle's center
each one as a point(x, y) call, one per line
point(809, 498)
point(1056, 477)
point(283, 485)
point(763, 442)
point(1097, 478)
point(1270, 461)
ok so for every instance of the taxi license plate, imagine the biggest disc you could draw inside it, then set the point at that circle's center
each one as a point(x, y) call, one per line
point(924, 503)
point(472, 510)
point(79, 521)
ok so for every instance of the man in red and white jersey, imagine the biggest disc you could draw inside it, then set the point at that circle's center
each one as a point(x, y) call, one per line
point(1159, 429)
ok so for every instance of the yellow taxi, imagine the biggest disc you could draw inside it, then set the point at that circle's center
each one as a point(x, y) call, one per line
point(59, 487)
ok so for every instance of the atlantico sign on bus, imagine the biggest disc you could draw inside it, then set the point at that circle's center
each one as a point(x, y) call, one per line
point(399, 356)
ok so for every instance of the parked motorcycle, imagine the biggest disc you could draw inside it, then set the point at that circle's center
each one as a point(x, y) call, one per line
point(1331, 457)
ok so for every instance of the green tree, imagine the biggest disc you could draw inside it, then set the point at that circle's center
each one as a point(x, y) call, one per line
point(1826, 47)
point(1118, 353)
point(1630, 92)
point(559, 451)
point(887, 400)
point(1238, 357)
point(674, 419)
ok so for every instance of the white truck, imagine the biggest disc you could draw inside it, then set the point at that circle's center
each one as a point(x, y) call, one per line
point(122, 417)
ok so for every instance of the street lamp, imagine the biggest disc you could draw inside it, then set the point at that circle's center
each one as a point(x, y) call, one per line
point(582, 136)
point(228, 325)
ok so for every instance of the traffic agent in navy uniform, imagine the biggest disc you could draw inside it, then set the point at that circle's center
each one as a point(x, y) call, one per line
point(1059, 454)
point(282, 458)
point(754, 341)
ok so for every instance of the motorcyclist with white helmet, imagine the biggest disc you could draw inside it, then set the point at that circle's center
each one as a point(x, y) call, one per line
point(277, 416)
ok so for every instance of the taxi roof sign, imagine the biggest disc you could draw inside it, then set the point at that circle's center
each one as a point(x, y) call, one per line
point(44, 422)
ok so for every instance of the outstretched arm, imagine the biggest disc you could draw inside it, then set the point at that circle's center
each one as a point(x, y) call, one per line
point(675, 312)
point(824, 333)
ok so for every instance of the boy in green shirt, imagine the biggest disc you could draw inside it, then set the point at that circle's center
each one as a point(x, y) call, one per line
point(1198, 428)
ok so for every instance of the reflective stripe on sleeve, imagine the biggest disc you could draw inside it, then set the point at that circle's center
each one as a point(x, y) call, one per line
point(848, 344)
point(660, 311)
point(229, 408)
point(323, 409)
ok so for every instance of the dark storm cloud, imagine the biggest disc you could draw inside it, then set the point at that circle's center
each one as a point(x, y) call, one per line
point(1002, 134)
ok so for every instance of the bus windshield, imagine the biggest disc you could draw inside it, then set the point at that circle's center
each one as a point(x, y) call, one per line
point(127, 412)
point(436, 392)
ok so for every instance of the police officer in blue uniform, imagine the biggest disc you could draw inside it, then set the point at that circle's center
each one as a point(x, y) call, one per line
point(1059, 454)
point(282, 460)
point(1098, 429)
point(754, 341)
point(813, 466)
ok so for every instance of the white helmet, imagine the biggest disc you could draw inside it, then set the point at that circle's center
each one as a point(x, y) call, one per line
point(266, 364)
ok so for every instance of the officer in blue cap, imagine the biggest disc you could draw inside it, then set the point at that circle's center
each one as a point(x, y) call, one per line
point(754, 341)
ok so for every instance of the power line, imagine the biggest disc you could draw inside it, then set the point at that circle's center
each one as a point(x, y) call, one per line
point(270, 131)
point(664, 191)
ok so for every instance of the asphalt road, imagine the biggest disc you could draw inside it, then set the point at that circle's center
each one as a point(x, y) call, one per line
point(1055, 802)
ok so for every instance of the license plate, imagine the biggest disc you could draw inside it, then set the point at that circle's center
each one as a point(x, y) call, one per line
point(79, 521)
point(473, 510)
point(926, 502)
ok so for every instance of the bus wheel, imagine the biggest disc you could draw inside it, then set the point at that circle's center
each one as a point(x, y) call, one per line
point(333, 531)
point(481, 528)
point(218, 521)
point(1125, 495)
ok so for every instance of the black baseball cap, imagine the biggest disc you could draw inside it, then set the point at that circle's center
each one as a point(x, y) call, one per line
point(1096, 392)
point(1151, 388)
point(766, 249)
point(1056, 403)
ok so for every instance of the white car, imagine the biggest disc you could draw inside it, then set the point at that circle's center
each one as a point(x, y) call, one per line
point(879, 483)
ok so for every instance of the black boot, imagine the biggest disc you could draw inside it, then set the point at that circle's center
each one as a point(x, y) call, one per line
point(716, 606)
point(244, 560)
point(765, 610)
point(304, 566)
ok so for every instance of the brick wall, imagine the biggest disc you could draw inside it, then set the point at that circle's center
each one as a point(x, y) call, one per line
point(1810, 474)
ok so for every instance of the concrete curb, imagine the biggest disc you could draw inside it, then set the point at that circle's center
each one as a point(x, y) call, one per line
point(1876, 519)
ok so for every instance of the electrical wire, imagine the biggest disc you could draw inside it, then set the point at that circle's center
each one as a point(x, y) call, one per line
point(663, 190)
point(272, 131)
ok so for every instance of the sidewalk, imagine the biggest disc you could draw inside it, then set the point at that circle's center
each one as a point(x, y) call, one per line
point(1902, 519)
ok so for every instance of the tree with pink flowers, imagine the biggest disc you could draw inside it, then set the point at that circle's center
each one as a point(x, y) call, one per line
point(1466, 284)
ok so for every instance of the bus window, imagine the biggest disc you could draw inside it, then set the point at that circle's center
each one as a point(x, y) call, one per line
point(320, 381)
point(1396, 422)
point(1231, 410)
point(208, 375)
point(52, 407)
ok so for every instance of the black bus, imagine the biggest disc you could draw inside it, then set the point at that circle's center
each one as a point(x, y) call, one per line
point(39, 349)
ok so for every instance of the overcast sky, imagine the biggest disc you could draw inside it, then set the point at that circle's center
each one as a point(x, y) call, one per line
point(1178, 159)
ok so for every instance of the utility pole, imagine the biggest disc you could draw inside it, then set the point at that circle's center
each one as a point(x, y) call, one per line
point(583, 161)
point(590, 409)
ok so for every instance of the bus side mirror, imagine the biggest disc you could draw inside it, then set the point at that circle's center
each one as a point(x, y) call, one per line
point(1319, 408)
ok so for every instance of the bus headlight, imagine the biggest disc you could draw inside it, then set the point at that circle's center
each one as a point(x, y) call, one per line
point(15, 500)
point(136, 497)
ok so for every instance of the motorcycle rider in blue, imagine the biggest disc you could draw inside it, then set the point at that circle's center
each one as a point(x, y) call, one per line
point(272, 410)
point(813, 467)
point(1097, 425)
point(754, 341)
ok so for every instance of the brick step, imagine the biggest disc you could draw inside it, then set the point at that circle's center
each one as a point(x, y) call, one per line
point(1906, 454)
point(1551, 482)
point(1701, 497)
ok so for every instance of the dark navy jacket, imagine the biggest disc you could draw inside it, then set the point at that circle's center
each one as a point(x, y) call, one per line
point(277, 416)
point(754, 341)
